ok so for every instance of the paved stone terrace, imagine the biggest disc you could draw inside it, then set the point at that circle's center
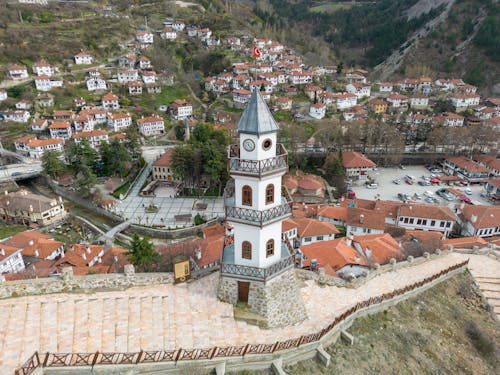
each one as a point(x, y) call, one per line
point(170, 317)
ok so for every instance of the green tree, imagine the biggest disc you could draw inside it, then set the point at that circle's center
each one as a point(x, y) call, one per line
point(86, 180)
point(51, 163)
point(142, 254)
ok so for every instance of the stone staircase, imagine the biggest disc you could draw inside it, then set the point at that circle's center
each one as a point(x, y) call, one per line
point(490, 286)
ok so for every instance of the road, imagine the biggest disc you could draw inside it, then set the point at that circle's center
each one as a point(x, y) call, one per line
point(25, 170)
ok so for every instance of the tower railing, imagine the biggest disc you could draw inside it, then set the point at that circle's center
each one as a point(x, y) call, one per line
point(259, 217)
point(257, 167)
point(230, 269)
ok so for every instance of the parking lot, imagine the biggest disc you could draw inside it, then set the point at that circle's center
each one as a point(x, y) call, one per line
point(388, 190)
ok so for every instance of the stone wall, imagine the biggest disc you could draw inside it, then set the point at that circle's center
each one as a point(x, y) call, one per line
point(228, 290)
point(278, 300)
point(171, 233)
point(67, 282)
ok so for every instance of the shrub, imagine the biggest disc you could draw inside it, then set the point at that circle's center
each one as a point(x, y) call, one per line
point(483, 343)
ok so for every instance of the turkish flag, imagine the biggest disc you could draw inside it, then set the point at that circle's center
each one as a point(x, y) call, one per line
point(256, 52)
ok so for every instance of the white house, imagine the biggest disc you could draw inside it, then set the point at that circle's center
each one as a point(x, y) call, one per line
point(419, 101)
point(385, 86)
point(95, 137)
point(361, 90)
point(83, 58)
point(153, 125)
point(241, 96)
point(168, 34)
point(463, 101)
point(135, 88)
point(17, 72)
point(39, 125)
point(16, 116)
point(144, 37)
point(426, 217)
point(178, 25)
point(119, 121)
point(42, 68)
point(46, 83)
point(60, 129)
point(482, 221)
point(3, 95)
point(181, 109)
point(148, 76)
point(35, 148)
point(129, 75)
point(397, 100)
point(11, 259)
point(110, 101)
point(317, 110)
point(356, 165)
point(84, 122)
point(299, 78)
point(313, 230)
point(97, 83)
point(346, 100)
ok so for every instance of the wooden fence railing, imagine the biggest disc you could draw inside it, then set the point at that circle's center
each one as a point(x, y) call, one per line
point(98, 358)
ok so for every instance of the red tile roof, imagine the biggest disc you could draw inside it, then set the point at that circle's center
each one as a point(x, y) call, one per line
point(382, 247)
point(335, 253)
point(486, 216)
point(165, 160)
point(312, 227)
point(333, 212)
point(353, 159)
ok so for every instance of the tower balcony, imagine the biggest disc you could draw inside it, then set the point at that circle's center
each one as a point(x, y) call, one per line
point(256, 217)
point(230, 269)
point(257, 168)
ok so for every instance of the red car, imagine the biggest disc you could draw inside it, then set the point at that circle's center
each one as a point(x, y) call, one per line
point(465, 198)
point(409, 182)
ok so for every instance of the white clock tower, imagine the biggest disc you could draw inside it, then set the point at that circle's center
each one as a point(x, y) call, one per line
point(257, 265)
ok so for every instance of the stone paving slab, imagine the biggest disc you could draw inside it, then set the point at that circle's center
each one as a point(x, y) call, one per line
point(175, 316)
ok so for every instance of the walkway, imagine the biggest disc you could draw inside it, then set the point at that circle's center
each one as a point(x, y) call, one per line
point(486, 271)
point(169, 317)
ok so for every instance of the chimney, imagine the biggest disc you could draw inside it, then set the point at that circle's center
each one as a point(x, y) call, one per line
point(62, 254)
point(37, 254)
point(87, 249)
point(115, 259)
point(361, 218)
point(473, 219)
point(31, 242)
point(2, 252)
point(197, 253)
point(99, 260)
point(84, 256)
point(349, 239)
point(31, 208)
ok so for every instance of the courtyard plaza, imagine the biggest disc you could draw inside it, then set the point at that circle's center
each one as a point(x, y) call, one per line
point(179, 316)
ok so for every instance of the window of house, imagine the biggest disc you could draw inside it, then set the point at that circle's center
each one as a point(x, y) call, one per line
point(433, 222)
point(424, 222)
point(448, 224)
point(246, 195)
point(441, 224)
point(246, 250)
point(270, 248)
point(406, 220)
point(419, 221)
point(319, 238)
point(269, 194)
point(412, 220)
point(307, 239)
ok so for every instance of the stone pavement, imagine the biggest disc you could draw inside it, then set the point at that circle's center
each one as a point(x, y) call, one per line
point(486, 271)
point(170, 316)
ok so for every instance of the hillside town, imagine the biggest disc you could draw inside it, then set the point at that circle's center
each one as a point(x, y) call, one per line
point(107, 165)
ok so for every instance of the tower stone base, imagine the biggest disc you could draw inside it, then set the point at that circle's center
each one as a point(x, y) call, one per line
point(278, 300)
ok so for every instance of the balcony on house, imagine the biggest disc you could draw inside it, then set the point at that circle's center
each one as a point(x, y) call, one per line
point(258, 168)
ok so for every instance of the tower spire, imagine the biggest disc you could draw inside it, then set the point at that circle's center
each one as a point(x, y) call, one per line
point(256, 118)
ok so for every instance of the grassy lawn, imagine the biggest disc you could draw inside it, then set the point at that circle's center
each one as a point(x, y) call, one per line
point(10, 230)
point(283, 116)
point(167, 96)
point(122, 189)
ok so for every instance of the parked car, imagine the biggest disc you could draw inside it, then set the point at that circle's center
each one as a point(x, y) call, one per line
point(403, 196)
point(428, 193)
point(397, 181)
point(436, 170)
point(417, 196)
point(351, 194)
point(424, 183)
point(465, 198)
point(372, 186)
point(468, 191)
point(16, 174)
point(409, 182)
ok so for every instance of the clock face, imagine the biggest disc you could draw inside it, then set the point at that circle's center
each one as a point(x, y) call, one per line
point(248, 145)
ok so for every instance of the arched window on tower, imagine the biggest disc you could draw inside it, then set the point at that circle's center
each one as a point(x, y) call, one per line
point(269, 248)
point(246, 195)
point(269, 194)
point(246, 250)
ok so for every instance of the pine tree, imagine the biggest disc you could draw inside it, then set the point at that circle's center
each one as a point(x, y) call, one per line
point(142, 254)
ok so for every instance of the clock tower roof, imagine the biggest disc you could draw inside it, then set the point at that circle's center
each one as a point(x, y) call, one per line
point(256, 118)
